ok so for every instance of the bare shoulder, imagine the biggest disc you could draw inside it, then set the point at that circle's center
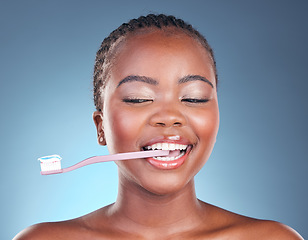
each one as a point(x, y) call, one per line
point(237, 226)
point(91, 226)
point(273, 230)
point(53, 230)
point(37, 231)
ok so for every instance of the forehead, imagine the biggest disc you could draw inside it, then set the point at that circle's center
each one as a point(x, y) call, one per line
point(170, 38)
point(146, 53)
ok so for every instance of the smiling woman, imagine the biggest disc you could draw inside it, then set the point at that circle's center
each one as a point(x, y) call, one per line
point(155, 87)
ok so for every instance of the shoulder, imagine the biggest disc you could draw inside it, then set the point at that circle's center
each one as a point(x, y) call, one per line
point(90, 226)
point(51, 230)
point(242, 227)
point(251, 228)
point(266, 229)
point(37, 231)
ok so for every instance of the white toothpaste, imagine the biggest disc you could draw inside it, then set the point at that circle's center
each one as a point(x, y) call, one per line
point(50, 162)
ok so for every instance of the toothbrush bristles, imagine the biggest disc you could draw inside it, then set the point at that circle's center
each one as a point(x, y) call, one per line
point(50, 164)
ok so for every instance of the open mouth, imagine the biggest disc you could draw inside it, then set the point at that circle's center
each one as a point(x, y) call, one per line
point(176, 150)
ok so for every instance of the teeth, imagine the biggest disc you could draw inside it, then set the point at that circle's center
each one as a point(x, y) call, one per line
point(169, 158)
point(166, 146)
point(171, 147)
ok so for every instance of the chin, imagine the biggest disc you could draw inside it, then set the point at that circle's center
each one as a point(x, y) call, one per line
point(165, 185)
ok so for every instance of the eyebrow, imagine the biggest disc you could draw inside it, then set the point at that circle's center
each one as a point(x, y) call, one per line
point(136, 78)
point(189, 78)
point(152, 81)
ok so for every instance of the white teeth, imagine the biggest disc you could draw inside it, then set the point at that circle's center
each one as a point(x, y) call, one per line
point(166, 146)
point(169, 158)
point(171, 147)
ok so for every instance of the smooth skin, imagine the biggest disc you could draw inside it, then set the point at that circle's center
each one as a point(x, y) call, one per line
point(160, 86)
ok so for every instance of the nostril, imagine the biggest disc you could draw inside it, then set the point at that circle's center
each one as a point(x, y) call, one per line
point(167, 118)
point(160, 124)
point(177, 124)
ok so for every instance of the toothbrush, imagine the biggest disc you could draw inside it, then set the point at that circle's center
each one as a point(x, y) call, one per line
point(52, 165)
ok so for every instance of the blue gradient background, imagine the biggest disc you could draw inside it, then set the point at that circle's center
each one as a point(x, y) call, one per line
point(259, 165)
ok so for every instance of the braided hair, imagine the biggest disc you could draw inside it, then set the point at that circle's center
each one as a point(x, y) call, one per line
point(108, 47)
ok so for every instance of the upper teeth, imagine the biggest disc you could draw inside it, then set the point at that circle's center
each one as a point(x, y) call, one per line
point(166, 146)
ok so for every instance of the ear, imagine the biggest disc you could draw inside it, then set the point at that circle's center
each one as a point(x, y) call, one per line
point(98, 121)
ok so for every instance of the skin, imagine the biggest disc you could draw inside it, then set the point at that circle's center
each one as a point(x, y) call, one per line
point(156, 203)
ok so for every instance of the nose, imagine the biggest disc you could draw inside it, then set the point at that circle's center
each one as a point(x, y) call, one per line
point(168, 116)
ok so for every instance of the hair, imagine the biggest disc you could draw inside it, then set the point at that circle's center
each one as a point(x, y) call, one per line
point(108, 47)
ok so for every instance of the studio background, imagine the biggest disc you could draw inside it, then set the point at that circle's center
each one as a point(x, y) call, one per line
point(259, 164)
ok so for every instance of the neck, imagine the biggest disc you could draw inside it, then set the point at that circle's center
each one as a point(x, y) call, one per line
point(137, 207)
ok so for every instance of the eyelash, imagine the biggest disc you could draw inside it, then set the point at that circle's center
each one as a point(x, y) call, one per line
point(136, 100)
point(195, 100)
point(188, 100)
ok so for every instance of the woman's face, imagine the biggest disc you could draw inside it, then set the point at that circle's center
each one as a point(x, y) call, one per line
point(161, 94)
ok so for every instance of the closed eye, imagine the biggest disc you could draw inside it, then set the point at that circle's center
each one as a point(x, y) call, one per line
point(195, 100)
point(136, 100)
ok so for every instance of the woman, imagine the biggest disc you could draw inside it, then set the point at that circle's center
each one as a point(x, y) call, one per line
point(155, 86)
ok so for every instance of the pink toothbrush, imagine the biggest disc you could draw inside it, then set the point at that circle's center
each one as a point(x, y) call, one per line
point(52, 165)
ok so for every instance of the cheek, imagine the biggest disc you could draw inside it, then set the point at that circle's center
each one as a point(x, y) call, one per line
point(207, 125)
point(122, 130)
point(206, 128)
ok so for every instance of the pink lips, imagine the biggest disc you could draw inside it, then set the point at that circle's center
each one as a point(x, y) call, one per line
point(169, 165)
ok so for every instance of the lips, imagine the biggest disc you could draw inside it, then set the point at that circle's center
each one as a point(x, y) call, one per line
point(178, 152)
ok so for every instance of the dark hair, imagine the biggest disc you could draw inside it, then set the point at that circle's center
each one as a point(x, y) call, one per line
point(151, 21)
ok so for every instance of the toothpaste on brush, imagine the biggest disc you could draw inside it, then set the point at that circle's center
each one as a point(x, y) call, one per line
point(49, 163)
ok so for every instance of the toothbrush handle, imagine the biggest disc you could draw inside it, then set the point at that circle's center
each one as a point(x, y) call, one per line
point(116, 157)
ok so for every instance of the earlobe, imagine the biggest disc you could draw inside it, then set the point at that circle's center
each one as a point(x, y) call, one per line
point(98, 121)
